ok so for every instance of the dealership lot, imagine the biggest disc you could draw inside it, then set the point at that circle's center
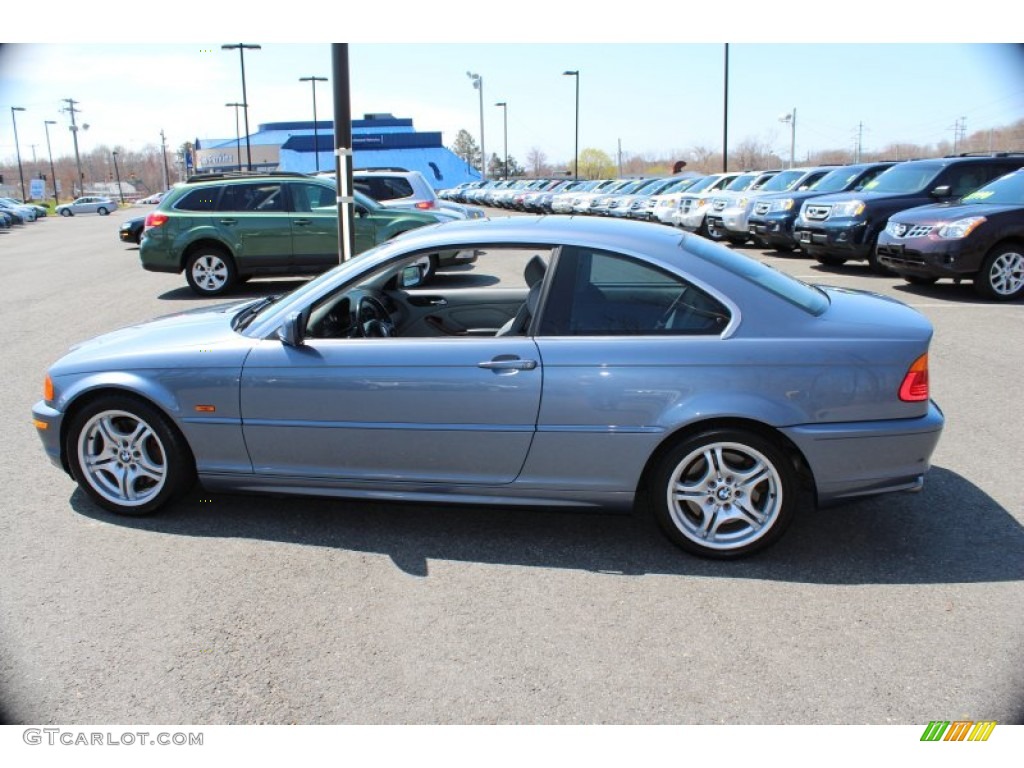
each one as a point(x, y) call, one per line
point(234, 609)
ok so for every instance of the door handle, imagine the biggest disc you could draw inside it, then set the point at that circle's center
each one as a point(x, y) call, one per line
point(302, 222)
point(508, 363)
point(229, 221)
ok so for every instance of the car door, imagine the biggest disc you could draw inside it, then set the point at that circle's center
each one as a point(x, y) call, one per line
point(314, 226)
point(419, 410)
point(254, 218)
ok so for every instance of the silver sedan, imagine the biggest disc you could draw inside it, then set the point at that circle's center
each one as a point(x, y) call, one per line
point(611, 357)
point(100, 205)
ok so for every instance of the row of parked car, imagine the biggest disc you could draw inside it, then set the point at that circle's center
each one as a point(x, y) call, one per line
point(13, 212)
point(958, 217)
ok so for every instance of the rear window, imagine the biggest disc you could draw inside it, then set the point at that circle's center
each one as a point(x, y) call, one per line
point(385, 188)
point(200, 199)
point(807, 297)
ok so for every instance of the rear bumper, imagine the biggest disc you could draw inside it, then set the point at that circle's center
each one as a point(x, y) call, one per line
point(867, 458)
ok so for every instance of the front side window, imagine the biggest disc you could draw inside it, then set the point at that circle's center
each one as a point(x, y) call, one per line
point(600, 293)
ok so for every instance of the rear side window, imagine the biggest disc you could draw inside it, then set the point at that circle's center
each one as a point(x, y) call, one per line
point(385, 188)
point(599, 293)
point(201, 199)
point(253, 198)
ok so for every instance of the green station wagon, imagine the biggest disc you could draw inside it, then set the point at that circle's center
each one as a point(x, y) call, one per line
point(222, 230)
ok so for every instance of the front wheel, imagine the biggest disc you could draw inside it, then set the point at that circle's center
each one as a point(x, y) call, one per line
point(712, 232)
point(65, 212)
point(126, 455)
point(1002, 275)
point(102, 211)
point(724, 493)
point(830, 261)
point(210, 272)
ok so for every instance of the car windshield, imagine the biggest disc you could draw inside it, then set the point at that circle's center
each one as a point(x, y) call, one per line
point(742, 182)
point(782, 181)
point(808, 297)
point(1008, 190)
point(701, 184)
point(904, 179)
point(838, 180)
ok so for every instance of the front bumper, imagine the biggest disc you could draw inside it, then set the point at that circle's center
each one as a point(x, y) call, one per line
point(845, 238)
point(773, 228)
point(928, 257)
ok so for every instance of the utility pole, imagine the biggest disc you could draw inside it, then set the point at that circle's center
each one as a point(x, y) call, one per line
point(959, 132)
point(163, 151)
point(860, 141)
point(70, 109)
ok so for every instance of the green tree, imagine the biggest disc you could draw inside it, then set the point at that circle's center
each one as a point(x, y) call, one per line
point(596, 164)
point(466, 148)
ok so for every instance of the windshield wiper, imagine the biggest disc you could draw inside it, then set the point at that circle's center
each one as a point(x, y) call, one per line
point(246, 316)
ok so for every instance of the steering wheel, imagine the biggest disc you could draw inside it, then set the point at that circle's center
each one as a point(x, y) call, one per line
point(371, 318)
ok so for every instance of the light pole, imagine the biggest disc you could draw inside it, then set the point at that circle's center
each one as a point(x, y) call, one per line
point(117, 175)
point(53, 173)
point(17, 149)
point(242, 48)
point(791, 119)
point(504, 109)
point(576, 159)
point(478, 83)
point(316, 134)
point(238, 135)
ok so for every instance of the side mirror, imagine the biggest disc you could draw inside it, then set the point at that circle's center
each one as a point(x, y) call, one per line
point(410, 276)
point(942, 191)
point(360, 211)
point(292, 332)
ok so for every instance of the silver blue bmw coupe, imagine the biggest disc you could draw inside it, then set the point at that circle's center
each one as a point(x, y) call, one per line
point(575, 363)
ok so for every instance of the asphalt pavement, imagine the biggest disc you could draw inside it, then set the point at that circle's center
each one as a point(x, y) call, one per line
point(256, 609)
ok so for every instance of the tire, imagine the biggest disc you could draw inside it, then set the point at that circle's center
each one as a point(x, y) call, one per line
point(210, 272)
point(711, 232)
point(920, 279)
point(1002, 273)
point(127, 456)
point(102, 211)
point(738, 484)
point(876, 266)
point(65, 212)
point(830, 261)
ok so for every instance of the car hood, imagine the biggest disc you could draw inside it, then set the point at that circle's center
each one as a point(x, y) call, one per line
point(172, 340)
point(952, 211)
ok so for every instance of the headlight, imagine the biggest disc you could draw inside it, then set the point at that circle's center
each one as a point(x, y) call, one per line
point(782, 205)
point(849, 209)
point(959, 228)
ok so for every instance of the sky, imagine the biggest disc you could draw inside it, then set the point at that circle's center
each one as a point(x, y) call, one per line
point(647, 84)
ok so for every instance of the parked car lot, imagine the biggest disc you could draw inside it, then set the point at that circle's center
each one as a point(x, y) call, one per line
point(252, 608)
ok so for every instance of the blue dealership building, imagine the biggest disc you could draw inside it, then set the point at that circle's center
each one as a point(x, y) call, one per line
point(378, 141)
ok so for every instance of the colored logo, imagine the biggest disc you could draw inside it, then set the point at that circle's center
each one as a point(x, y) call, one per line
point(959, 730)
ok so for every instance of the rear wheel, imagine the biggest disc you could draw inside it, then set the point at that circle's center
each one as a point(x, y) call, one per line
point(1002, 274)
point(210, 272)
point(724, 493)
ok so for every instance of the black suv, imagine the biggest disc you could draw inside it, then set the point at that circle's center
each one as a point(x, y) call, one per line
point(839, 228)
point(980, 237)
point(772, 217)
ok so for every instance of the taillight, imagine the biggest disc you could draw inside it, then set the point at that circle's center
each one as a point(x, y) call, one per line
point(155, 220)
point(425, 205)
point(914, 388)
